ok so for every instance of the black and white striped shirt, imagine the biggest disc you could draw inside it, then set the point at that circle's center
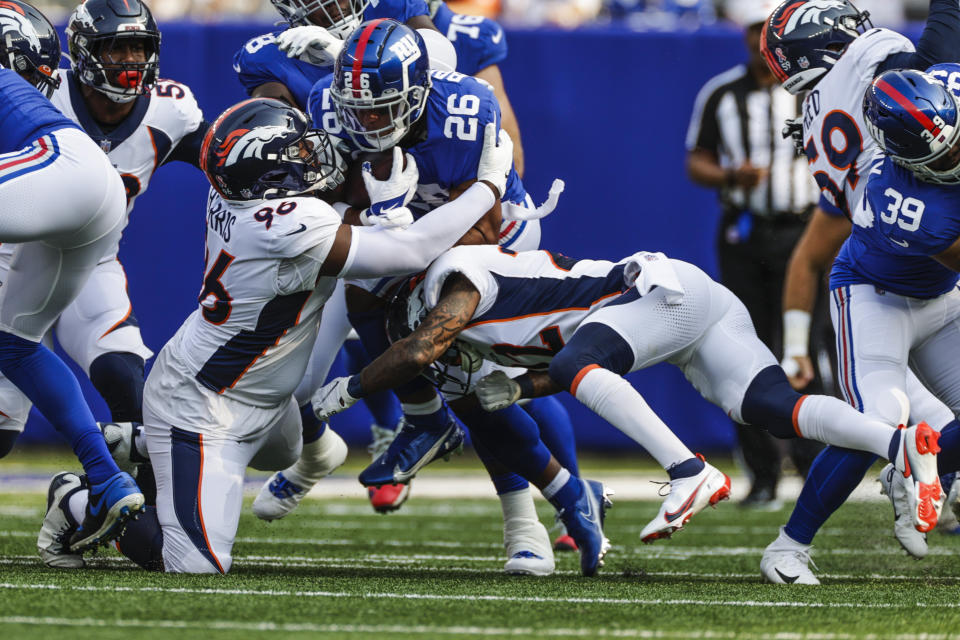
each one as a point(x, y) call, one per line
point(738, 120)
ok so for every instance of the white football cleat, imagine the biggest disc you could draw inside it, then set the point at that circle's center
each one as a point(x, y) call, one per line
point(897, 488)
point(917, 460)
point(53, 543)
point(785, 561)
point(279, 495)
point(688, 497)
point(528, 548)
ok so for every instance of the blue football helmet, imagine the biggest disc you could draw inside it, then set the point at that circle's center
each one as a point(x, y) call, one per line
point(803, 39)
point(380, 83)
point(29, 45)
point(99, 27)
point(916, 121)
point(263, 149)
point(339, 17)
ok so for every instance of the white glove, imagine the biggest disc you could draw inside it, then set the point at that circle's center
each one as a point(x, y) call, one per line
point(397, 190)
point(311, 44)
point(332, 398)
point(398, 218)
point(496, 160)
point(522, 213)
point(497, 391)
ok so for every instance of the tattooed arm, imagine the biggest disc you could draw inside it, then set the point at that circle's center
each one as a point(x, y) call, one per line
point(406, 358)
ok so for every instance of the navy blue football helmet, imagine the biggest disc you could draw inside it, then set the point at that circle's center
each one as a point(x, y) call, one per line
point(29, 45)
point(339, 17)
point(380, 83)
point(97, 29)
point(916, 121)
point(263, 149)
point(803, 39)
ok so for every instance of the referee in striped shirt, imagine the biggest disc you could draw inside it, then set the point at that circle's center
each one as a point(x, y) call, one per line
point(766, 194)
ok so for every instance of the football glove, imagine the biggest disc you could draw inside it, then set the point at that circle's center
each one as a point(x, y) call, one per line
point(497, 391)
point(396, 191)
point(397, 218)
point(332, 398)
point(496, 159)
point(311, 44)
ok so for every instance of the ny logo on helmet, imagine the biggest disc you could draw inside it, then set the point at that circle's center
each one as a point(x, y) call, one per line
point(406, 49)
point(13, 21)
point(247, 143)
point(804, 12)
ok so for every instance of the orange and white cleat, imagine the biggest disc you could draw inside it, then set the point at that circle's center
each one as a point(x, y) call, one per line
point(688, 497)
point(917, 461)
point(388, 497)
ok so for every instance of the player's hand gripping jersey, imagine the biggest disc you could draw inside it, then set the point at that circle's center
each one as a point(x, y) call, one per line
point(835, 137)
point(260, 60)
point(479, 41)
point(259, 308)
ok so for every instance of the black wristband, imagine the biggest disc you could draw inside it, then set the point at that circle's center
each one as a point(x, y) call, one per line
point(354, 388)
point(526, 386)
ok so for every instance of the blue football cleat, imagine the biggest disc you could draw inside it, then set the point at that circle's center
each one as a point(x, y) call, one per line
point(412, 449)
point(584, 523)
point(111, 504)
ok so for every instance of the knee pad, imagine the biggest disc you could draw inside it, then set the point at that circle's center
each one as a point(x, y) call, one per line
point(7, 439)
point(119, 379)
point(769, 403)
point(592, 344)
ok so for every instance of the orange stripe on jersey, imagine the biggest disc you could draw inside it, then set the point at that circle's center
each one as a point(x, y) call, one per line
point(156, 154)
point(126, 287)
point(796, 416)
point(580, 376)
point(544, 313)
point(203, 528)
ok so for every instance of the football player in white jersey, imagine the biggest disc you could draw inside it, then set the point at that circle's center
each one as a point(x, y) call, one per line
point(113, 93)
point(820, 47)
point(220, 395)
point(580, 326)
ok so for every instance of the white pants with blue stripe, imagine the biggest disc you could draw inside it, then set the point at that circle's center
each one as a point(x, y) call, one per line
point(882, 336)
point(65, 206)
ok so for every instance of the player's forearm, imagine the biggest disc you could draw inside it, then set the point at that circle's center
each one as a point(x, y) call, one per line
point(704, 170)
point(537, 384)
point(376, 252)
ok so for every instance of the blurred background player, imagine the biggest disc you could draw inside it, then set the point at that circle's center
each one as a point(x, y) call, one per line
point(735, 146)
point(63, 203)
point(829, 52)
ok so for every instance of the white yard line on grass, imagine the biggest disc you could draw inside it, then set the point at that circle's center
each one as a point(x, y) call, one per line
point(229, 625)
point(686, 602)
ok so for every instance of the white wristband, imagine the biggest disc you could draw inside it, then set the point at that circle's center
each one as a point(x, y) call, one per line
point(341, 208)
point(796, 333)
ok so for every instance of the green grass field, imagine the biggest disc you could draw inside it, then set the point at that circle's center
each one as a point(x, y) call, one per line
point(433, 570)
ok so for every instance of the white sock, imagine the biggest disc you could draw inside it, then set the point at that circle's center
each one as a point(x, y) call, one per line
point(833, 421)
point(77, 504)
point(140, 442)
point(317, 460)
point(616, 401)
point(783, 540)
point(422, 408)
point(562, 477)
point(518, 504)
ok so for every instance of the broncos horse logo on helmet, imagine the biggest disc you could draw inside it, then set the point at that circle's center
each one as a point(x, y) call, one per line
point(29, 45)
point(916, 121)
point(264, 148)
point(803, 39)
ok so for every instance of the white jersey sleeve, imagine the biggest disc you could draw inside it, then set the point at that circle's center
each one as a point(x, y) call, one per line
point(177, 113)
point(473, 263)
point(864, 54)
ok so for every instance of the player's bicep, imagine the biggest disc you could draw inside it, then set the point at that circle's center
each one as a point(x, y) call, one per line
point(275, 90)
point(339, 252)
point(951, 257)
point(822, 239)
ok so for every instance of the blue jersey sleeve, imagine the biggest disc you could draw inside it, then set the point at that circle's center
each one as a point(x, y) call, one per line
point(260, 62)
point(25, 114)
point(479, 41)
point(320, 107)
point(919, 217)
point(948, 74)
point(401, 10)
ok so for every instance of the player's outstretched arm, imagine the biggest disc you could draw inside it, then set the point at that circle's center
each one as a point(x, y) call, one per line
point(939, 42)
point(498, 391)
point(372, 252)
point(813, 255)
point(406, 358)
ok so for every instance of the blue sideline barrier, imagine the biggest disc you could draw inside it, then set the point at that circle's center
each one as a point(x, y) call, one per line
point(604, 108)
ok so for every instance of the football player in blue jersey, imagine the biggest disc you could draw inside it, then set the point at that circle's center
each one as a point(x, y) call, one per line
point(826, 49)
point(64, 207)
point(382, 94)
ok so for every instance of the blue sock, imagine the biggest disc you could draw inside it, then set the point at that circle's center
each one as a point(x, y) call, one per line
point(834, 475)
point(566, 496)
point(503, 482)
point(894, 445)
point(53, 389)
point(948, 460)
point(511, 437)
point(312, 428)
point(685, 469)
point(383, 406)
point(556, 430)
point(435, 420)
